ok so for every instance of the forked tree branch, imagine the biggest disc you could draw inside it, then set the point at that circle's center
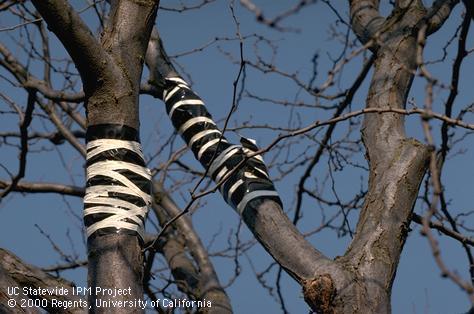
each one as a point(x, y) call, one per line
point(397, 163)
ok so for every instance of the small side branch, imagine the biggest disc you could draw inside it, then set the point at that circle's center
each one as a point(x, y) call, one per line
point(25, 123)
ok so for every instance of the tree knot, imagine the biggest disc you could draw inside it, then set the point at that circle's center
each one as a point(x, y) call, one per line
point(319, 294)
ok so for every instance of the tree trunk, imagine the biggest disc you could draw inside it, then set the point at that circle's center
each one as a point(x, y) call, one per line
point(111, 72)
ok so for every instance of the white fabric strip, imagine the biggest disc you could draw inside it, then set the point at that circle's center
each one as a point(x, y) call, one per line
point(248, 152)
point(209, 144)
point(177, 104)
point(99, 146)
point(109, 169)
point(123, 213)
point(115, 210)
point(114, 201)
point(177, 80)
point(221, 174)
point(222, 158)
point(250, 175)
point(262, 172)
point(193, 121)
point(98, 195)
point(184, 86)
point(201, 135)
point(104, 190)
point(232, 189)
point(167, 95)
point(250, 196)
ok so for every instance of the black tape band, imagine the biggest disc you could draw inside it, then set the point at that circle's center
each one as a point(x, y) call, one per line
point(112, 131)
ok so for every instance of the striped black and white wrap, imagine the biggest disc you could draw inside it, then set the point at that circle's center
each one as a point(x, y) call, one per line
point(118, 184)
point(245, 187)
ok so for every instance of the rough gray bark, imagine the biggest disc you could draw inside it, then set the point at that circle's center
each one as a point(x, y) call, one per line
point(397, 163)
point(110, 72)
point(6, 307)
point(15, 273)
point(366, 21)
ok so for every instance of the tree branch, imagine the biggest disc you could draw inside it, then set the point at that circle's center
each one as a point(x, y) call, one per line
point(110, 72)
point(6, 298)
point(24, 124)
point(25, 275)
point(264, 216)
point(126, 40)
point(438, 13)
point(443, 229)
point(207, 286)
point(44, 187)
point(365, 18)
point(397, 163)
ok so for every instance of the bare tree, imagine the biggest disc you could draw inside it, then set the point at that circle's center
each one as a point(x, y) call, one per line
point(123, 183)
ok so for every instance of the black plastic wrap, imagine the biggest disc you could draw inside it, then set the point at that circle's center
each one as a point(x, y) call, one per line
point(249, 183)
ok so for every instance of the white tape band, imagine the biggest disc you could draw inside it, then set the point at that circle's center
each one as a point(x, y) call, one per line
point(222, 158)
point(193, 121)
point(122, 213)
point(167, 95)
point(177, 80)
point(219, 167)
point(201, 135)
point(232, 189)
point(249, 152)
point(250, 196)
point(177, 104)
point(208, 145)
point(262, 172)
point(99, 146)
point(221, 174)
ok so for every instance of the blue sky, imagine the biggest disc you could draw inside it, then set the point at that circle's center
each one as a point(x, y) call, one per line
point(418, 287)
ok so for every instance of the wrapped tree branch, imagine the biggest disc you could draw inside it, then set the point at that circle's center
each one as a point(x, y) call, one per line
point(247, 188)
